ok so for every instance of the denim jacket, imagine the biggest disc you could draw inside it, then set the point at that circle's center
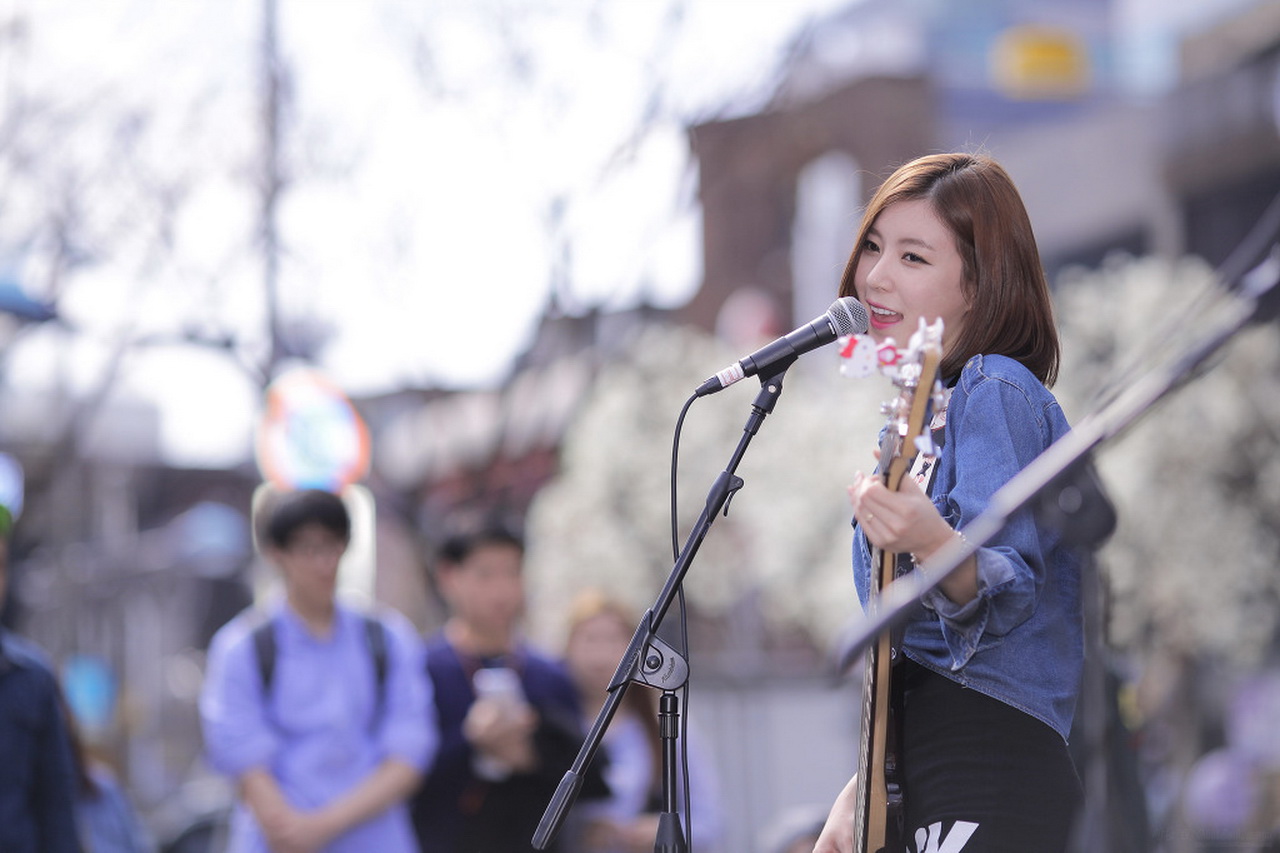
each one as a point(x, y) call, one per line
point(1021, 640)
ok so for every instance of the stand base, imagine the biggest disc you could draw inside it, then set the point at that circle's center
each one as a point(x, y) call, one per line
point(670, 838)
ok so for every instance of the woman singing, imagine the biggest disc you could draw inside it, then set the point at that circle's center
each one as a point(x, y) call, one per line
point(991, 664)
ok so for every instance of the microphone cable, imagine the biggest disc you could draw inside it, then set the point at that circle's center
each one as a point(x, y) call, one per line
point(686, 803)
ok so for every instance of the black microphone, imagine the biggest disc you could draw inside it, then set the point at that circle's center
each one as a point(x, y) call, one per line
point(846, 316)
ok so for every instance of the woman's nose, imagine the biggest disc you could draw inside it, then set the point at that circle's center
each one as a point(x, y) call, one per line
point(876, 279)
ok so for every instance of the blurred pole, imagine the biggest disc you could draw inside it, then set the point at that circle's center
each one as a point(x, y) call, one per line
point(271, 184)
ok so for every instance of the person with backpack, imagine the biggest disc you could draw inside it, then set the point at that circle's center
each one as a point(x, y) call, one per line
point(321, 715)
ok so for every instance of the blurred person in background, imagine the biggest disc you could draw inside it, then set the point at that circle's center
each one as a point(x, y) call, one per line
point(600, 629)
point(107, 819)
point(990, 665)
point(320, 713)
point(509, 720)
point(37, 769)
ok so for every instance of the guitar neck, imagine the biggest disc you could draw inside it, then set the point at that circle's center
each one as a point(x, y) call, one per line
point(878, 808)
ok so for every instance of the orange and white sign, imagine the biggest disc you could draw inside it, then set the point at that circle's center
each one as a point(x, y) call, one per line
point(310, 435)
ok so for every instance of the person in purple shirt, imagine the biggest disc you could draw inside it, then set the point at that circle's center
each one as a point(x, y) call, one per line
point(508, 713)
point(326, 743)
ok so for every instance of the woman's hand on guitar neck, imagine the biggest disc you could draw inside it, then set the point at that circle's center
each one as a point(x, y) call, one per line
point(907, 522)
point(901, 522)
point(837, 832)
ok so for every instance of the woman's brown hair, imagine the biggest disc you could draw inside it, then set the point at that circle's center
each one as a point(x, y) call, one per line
point(1010, 310)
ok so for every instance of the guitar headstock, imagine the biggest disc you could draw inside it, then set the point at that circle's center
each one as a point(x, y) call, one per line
point(914, 371)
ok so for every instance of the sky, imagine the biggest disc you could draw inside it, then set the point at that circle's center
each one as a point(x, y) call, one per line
point(449, 165)
point(447, 162)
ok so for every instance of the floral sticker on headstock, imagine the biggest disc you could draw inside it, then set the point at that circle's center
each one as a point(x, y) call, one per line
point(861, 356)
point(857, 356)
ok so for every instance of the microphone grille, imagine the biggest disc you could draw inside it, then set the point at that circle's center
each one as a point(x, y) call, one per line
point(849, 316)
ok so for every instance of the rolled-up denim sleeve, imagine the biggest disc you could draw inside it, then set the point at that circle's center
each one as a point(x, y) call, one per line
point(1000, 434)
point(1000, 605)
point(409, 730)
point(237, 733)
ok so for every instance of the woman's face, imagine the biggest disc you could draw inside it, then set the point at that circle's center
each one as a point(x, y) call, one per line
point(910, 268)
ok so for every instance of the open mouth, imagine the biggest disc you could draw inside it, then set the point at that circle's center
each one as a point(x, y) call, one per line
point(882, 317)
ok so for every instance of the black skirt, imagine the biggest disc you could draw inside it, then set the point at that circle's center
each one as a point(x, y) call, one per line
point(981, 776)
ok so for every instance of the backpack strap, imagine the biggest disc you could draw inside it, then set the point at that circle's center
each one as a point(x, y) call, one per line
point(375, 635)
point(264, 650)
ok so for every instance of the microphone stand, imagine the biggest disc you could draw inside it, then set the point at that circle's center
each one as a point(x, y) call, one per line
point(650, 661)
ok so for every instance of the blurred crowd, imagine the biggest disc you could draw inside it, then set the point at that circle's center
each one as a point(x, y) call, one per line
point(339, 727)
point(342, 727)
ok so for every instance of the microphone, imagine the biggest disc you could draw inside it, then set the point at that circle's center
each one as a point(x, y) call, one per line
point(846, 316)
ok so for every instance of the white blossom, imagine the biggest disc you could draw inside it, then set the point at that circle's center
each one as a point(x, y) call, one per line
point(605, 520)
point(1191, 567)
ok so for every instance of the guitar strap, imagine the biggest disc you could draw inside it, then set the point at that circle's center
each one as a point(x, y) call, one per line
point(925, 464)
